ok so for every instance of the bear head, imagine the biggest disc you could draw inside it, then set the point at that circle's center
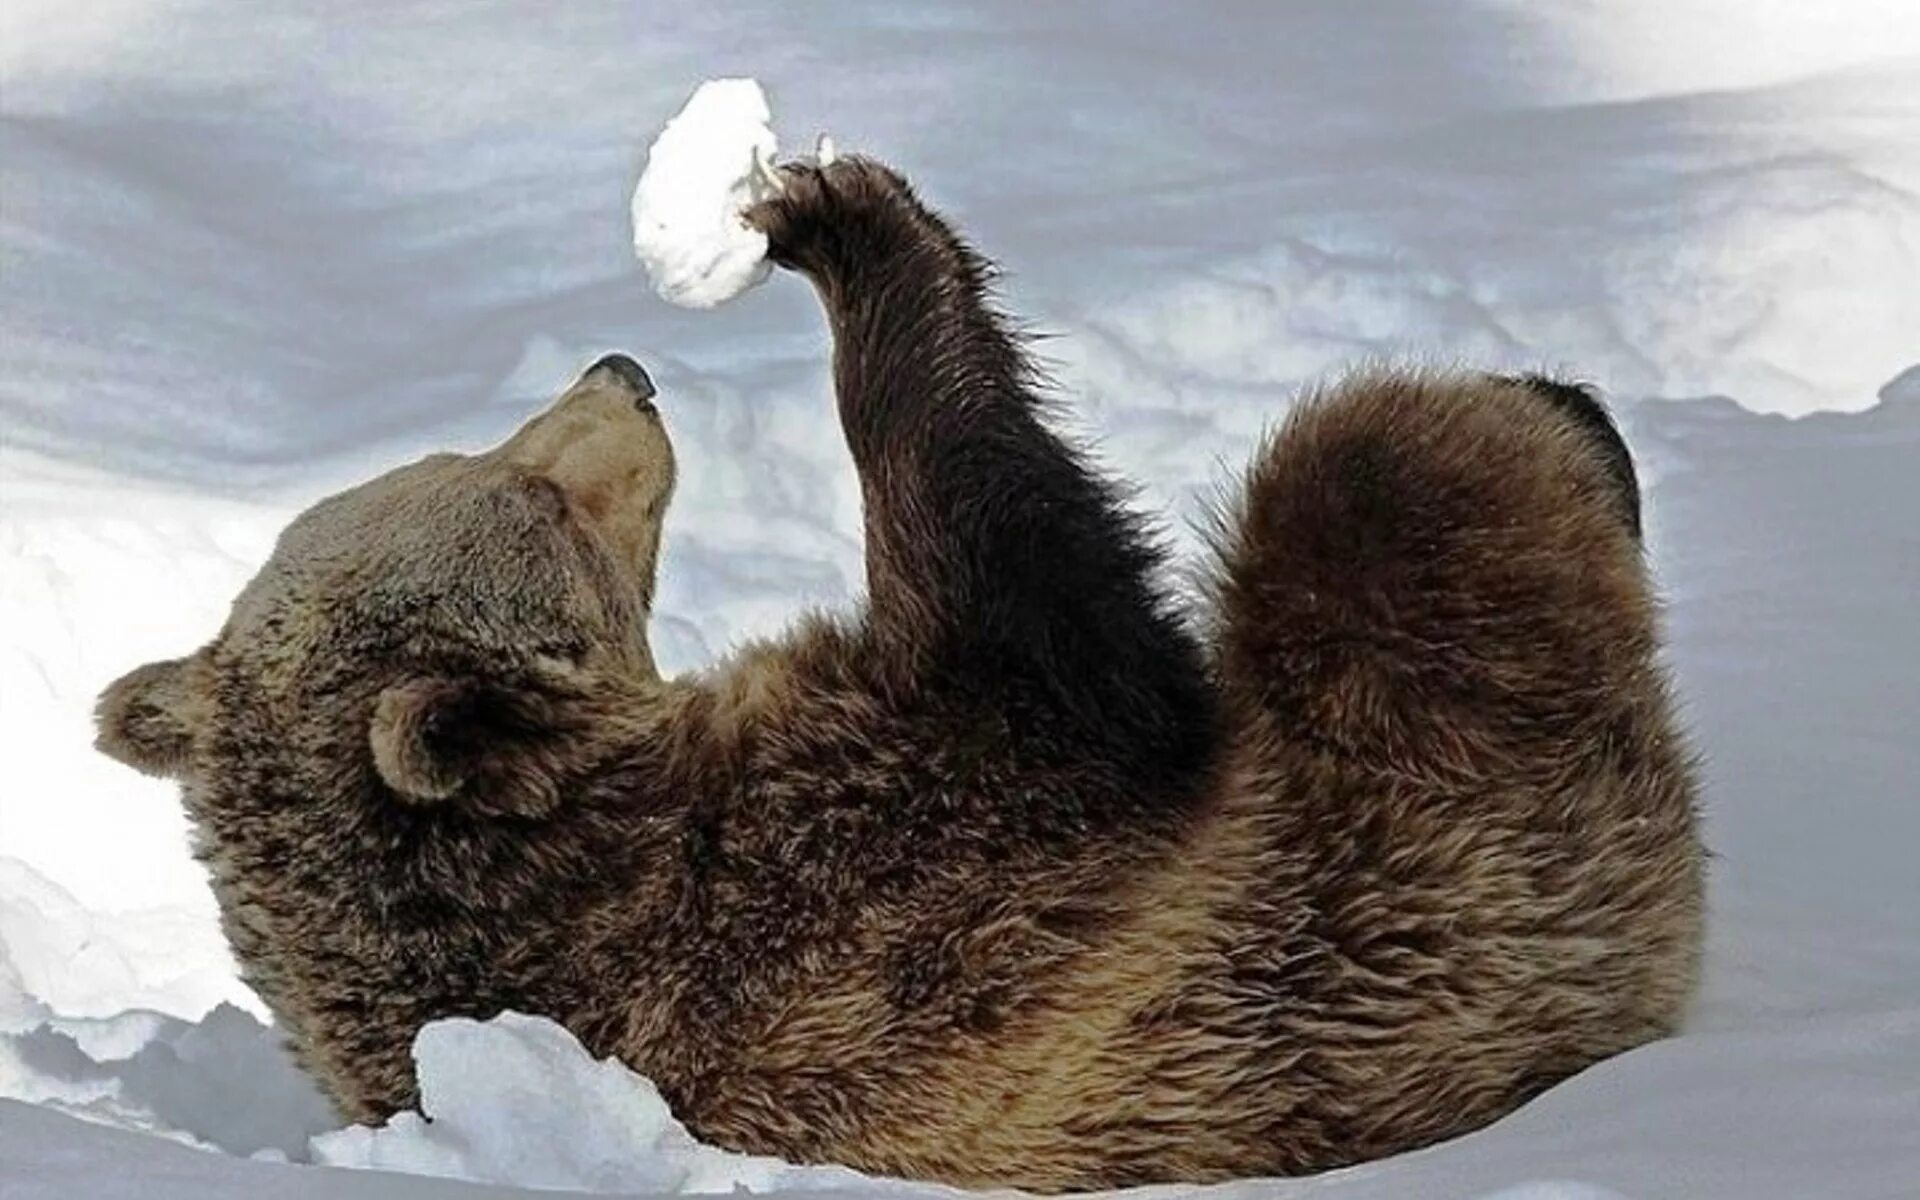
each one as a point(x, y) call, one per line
point(432, 638)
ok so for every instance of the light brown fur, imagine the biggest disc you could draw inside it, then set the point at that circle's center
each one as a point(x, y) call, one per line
point(1006, 878)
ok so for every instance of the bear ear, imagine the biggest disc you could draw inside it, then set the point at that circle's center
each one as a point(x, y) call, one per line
point(493, 748)
point(147, 717)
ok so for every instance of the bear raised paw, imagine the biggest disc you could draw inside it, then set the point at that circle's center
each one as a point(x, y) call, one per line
point(1017, 874)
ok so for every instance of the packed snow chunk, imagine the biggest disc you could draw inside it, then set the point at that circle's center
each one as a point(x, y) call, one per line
point(517, 1100)
point(707, 167)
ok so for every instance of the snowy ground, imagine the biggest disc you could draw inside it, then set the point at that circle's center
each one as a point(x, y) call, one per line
point(248, 255)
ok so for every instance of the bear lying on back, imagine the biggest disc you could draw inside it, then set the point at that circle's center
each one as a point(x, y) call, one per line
point(1015, 875)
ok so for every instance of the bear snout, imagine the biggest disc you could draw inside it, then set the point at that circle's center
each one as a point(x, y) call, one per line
point(620, 369)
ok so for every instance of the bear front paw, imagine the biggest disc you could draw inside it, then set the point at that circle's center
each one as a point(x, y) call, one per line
point(827, 208)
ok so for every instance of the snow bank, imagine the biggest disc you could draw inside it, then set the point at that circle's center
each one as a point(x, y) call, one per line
point(84, 962)
point(1821, 1108)
point(102, 574)
point(707, 167)
point(224, 1082)
point(518, 1100)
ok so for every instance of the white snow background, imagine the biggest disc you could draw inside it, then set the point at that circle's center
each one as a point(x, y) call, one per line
point(252, 252)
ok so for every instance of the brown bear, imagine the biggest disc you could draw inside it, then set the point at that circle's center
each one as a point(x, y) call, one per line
point(1018, 874)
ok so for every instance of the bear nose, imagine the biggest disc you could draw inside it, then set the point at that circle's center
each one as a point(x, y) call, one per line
point(627, 371)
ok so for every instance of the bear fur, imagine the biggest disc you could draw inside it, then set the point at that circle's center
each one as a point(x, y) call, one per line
point(1018, 874)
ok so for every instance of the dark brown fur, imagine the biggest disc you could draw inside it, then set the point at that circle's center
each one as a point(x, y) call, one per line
point(1007, 878)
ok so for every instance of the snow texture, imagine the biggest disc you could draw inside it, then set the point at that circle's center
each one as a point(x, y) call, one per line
point(247, 259)
point(708, 165)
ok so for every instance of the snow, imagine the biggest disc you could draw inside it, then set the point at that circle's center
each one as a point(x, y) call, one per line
point(710, 164)
point(517, 1100)
point(244, 261)
point(222, 1082)
point(58, 954)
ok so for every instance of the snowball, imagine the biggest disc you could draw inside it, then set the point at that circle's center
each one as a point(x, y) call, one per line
point(702, 172)
point(518, 1100)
